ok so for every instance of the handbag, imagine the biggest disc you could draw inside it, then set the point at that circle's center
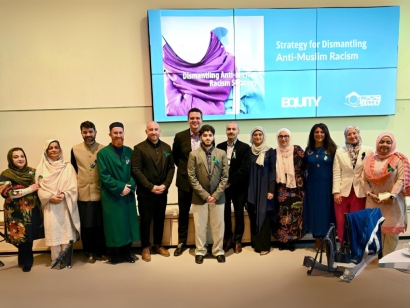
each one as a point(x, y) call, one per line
point(343, 254)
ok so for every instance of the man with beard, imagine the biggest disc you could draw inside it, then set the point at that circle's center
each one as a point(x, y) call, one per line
point(84, 161)
point(185, 142)
point(239, 159)
point(208, 175)
point(118, 197)
point(153, 169)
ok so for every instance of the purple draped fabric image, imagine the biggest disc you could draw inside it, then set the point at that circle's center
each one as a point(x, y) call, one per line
point(206, 84)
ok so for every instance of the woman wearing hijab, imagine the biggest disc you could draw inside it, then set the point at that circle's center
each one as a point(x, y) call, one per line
point(348, 193)
point(261, 188)
point(58, 195)
point(318, 212)
point(386, 173)
point(22, 208)
point(289, 191)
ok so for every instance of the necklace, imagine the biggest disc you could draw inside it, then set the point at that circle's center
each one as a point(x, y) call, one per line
point(318, 152)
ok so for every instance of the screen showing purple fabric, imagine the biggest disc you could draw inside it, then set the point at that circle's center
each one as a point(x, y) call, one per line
point(185, 93)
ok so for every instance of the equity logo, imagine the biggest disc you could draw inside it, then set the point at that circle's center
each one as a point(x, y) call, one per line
point(355, 100)
point(300, 102)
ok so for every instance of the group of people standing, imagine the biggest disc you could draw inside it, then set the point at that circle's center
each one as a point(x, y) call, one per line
point(316, 187)
point(287, 191)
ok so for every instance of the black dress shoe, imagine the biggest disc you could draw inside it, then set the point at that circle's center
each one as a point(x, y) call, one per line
point(228, 245)
point(220, 258)
point(199, 259)
point(292, 246)
point(26, 268)
point(111, 262)
point(130, 260)
point(180, 249)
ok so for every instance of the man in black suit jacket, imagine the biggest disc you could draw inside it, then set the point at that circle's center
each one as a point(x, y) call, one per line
point(239, 159)
point(185, 142)
point(153, 169)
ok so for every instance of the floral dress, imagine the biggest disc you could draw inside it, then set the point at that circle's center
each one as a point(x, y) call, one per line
point(289, 203)
point(22, 214)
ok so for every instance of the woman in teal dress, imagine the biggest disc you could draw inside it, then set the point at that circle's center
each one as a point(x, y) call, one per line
point(319, 208)
point(23, 217)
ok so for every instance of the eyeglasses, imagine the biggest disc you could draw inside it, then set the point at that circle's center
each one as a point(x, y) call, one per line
point(283, 136)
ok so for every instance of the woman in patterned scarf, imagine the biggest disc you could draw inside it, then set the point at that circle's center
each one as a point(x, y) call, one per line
point(348, 193)
point(386, 174)
point(23, 218)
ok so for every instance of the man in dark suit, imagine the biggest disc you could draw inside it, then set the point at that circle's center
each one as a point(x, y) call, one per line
point(185, 142)
point(208, 174)
point(239, 155)
point(153, 169)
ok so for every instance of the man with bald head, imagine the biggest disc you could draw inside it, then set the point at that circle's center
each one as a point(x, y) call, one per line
point(239, 159)
point(153, 169)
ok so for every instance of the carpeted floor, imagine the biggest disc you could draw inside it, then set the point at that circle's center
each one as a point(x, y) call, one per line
point(245, 280)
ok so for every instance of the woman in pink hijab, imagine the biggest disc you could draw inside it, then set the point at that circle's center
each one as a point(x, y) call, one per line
point(386, 174)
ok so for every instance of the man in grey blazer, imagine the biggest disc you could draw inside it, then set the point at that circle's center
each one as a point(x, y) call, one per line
point(208, 175)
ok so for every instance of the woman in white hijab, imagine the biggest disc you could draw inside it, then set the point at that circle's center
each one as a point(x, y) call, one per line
point(58, 196)
point(260, 191)
point(289, 191)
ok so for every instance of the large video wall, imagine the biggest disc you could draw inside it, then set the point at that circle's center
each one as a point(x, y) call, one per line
point(274, 63)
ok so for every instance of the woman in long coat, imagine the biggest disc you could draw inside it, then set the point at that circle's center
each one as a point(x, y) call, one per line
point(261, 188)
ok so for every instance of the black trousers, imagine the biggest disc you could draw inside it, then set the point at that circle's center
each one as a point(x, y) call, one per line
point(92, 229)
point(119, 254)
point(184, 204)
point(93, 240)
point(25, 254)
point(152, 208)
point(238, 200)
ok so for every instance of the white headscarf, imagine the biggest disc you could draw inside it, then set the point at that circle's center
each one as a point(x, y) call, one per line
point(51, 172)
point(262, 148)
point(56, 177)
point(285, 169)
point(353, 149)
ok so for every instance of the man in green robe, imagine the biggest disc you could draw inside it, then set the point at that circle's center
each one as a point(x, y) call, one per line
point(118, 197)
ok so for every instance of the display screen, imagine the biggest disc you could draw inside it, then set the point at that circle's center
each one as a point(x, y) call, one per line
point(273, 63)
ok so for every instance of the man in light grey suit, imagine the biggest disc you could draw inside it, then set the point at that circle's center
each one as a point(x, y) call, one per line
point(208, 175)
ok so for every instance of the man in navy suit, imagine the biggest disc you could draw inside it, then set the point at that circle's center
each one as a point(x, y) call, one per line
point(185, 142)
point(239, 155)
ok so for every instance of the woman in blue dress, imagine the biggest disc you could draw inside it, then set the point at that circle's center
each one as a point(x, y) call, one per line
point(319, 209)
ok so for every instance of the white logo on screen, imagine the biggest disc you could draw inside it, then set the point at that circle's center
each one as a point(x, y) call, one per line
point(300, 102)
point(355, 100)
